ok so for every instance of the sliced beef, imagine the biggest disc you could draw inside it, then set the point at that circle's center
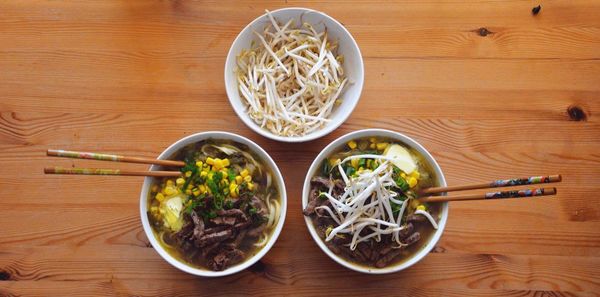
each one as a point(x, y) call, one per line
point(325, 221)
point(338, 187)
point(313, 201)
point(386, 249)
point(406, 231)
point(215, 229)
point(341, 239)
point(239, 238)
point(412, 238)
point(234, 212)
point(321, 182)
point(387, 258)
point(226, 258)
point(213, 237)
point(254, 232)
point(334, 248)
point(208, 250)
point(186, 232)
point(355, 254)
point(229, 221)
point(259, 205)
point(345, 251)
point(413, 218)
point(242, 225)
point(321, 212)
point(365, 250)
point(198, 225)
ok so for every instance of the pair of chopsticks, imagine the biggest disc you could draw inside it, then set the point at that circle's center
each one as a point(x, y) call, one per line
point(491, 195)
point(114, 158)
point(495, 184)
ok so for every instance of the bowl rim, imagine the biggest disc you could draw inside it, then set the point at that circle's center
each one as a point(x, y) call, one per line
point(317, 133)
point(405, 140)
point(192, 139)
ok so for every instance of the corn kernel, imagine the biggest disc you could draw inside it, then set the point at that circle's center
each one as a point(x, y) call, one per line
point(180, 181)
point(421, 207)
point(382, 145)
point(169, 190)
point(354, 163)
point(203, 173)
point(412, 182)
point(403, 175)
point(160, 197)
point(225, 173)
point(202, 189)
point(169, 182)
point(188, 173)
point(153, 209)
point(188, 192)
point(218, 164)
point(244, 173)
point(372, 146)
point(352, 144)
point(233, 190)
point(250, 186)
point(190, 185)
point(226, 162)
point(239, 179)
point(248, 178)
point(415, 174)
point(372, 140)
point(210, 161)
point(199, 164)
point(197, 193)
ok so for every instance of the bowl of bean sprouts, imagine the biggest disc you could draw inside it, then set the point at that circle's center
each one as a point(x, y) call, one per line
point(294, 74)
point(360, 201)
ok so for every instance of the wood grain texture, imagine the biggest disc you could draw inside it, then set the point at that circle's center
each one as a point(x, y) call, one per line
point(489, 89)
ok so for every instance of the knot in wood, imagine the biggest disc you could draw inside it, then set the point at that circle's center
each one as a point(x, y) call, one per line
point(576, 113)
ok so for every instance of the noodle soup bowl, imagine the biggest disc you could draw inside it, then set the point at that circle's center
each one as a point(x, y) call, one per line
point(172, 150)
point(406, 141)
point(347, 47)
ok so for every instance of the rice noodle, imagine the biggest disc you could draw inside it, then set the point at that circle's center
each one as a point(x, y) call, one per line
point(273, 218)
point(292, 79)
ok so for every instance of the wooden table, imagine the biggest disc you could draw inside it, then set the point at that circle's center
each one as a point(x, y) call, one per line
point(490, 89)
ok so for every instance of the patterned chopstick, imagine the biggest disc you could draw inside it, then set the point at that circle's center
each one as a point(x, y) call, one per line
point(114, 158)
point(497, 183)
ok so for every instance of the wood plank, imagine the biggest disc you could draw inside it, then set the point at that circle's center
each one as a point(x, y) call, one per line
point(192, 287)
point(399, 30)
point(184, 74)
point(461, 271)
point(487, 135)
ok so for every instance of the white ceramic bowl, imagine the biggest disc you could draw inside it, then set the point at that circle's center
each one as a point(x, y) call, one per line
point(337, 144)
point(353, 65)
point(171, 150)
